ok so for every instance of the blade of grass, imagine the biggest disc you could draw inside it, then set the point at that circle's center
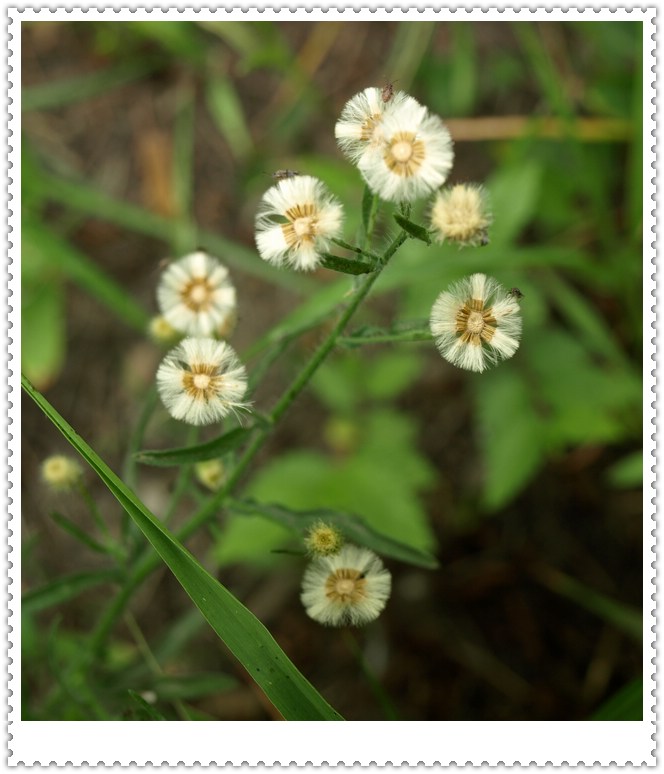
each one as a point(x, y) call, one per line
point(54, 94)
point(65, 588)
point(80, 269)
point(183, 165)
point(246, 637)
point(84, 198)
point(620, 615)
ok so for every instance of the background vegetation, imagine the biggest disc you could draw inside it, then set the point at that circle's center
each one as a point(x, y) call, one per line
point(143, 140)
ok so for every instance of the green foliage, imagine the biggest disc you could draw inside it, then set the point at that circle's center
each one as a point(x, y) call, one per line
point(244, 635)
point(567, 219)
point(625, 704)
point(350, 525)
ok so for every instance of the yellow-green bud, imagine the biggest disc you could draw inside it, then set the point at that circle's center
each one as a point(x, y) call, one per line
point(211, 473)
point(61, 473)
point(322, 539)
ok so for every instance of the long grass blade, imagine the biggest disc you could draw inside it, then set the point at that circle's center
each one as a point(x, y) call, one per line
point(246, 637)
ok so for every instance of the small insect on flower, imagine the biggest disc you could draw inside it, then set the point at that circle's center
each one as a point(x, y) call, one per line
point(296, 220)
point(475, 323)
point(61, 473)
point(387, 91)
point(359, 128)
point(413, 158)
point(349, 587)
point(515, 293)
point(284, 174)
point(201, 381)
point(195, 296)
point(460, 214)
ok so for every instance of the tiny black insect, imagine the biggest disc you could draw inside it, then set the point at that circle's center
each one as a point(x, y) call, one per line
point(284, 174)
point(515, 293)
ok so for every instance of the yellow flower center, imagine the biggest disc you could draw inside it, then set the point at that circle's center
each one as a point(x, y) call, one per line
point(405, 154)
point(302, 224)
point(201, 383)
point(474, 323)
point(197, 294)
point(346, 585)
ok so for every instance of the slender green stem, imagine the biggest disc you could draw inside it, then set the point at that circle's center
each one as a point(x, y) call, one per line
point(149, 560)
point(381, 695)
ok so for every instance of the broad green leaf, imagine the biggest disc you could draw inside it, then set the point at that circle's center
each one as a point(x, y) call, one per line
point(381, 475)
point(243, 633)
point(73, 264)
point(627, 472)
point(346, 265)
point(63, 589)
point(43, 331)
point(392, 373)
point(513, 197)
point(586, 402)
point(511, 436)
point(198, 453)
point(585, 318)
point(351, 525)
point(412, 229)
point(626, 704)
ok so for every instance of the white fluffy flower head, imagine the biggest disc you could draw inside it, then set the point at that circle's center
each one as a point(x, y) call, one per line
point(295, 222)
point(359, 128)
point(201, 381)
point(460, 214)
point(348, 587)
point(195, 296)
point(414, 157)
point(476, 323)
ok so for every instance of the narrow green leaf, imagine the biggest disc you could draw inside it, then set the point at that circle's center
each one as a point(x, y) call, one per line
point(626, 704)
point(142, 710)
point(76, 532)
point(351, 525)
point(170, 687)
point(246, 637)
point(417, 232)
point(65, 588)
point(417, 330)
point(80, 269)
point(346, 265)
point(198, 453)
point(620, 615)
point(369, 205)
point(75, 195)
point(54, 94)
point(228, 115)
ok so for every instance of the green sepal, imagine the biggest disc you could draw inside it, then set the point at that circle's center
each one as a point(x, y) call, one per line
point(346, 265)
point(413, 230)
